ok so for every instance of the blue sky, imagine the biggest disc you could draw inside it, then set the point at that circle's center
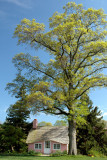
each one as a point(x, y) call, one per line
point(11, 13)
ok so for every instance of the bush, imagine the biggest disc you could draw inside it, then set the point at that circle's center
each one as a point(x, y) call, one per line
point(13, 154)
point(96, 152)
point(64, 152)
point(33, 153)
point(58, 153)
point(30, 153)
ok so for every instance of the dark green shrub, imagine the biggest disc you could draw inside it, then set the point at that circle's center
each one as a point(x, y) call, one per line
point(96, 152)
point(14, 154)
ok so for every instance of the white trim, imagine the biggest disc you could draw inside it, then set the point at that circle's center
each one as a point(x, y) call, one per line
point(38, 145)
point(57, 144)
point(67, 148)
point(47, 148)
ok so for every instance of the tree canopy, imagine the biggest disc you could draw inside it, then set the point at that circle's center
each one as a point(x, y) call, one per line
point(43, 123)
point(60, 123)
point(77, 42)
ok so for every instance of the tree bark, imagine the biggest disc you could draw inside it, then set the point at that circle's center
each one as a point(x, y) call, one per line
point(72, 137)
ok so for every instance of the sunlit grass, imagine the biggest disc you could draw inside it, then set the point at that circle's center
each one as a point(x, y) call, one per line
point(50, 158)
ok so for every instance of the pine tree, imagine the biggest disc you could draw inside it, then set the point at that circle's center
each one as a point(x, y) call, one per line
point(18, 113)
point(12, 139)
point(92, 135)
point(16, 127)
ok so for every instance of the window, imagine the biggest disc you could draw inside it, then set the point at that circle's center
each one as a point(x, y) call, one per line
point(56, 146)
point(47, 144)
point(38, 146)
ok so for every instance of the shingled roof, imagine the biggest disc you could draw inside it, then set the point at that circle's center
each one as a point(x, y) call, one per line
point(49, 133)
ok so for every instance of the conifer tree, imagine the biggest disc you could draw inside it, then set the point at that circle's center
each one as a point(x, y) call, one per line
point(92, 135)
point(12, 139)
point(16, 127)
point(18, 113)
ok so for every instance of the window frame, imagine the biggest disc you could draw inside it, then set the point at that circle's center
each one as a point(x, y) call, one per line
point(56, 146)
point(38, 146)
point(48, 145)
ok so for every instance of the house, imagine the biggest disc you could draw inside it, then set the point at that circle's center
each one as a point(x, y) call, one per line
point(47, 139)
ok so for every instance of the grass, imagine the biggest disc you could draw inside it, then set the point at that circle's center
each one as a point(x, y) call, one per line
point(51, 158)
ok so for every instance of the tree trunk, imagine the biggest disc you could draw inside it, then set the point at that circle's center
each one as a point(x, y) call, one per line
point(72, 137)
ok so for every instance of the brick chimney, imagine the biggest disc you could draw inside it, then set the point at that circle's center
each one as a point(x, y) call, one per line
point(35, 123)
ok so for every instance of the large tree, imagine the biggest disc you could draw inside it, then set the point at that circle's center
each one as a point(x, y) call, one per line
point(76, 40)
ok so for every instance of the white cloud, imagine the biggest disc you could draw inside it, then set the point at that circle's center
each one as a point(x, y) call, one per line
point(20, 3)
point(105, 114)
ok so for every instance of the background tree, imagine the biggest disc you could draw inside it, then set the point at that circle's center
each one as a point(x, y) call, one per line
point(77, 43)
point(43, 123)
point(19, 87)
point(12, 139)
point(60, 123)
point(91, 137)
point(18, 113)
point(105, 122)
point(16, 127)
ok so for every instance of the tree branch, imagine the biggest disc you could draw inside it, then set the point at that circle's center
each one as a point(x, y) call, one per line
point(61, 112)
point(44, 44)
point(89, 75)
point(81, 34)
point(87, 90)
point(37, 69)
point(87, 56)
point(100, 60)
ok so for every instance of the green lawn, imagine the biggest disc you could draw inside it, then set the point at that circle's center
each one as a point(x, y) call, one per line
point(50, 158)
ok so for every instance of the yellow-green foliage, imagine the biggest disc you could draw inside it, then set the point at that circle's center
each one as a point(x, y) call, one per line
point(77, 41)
